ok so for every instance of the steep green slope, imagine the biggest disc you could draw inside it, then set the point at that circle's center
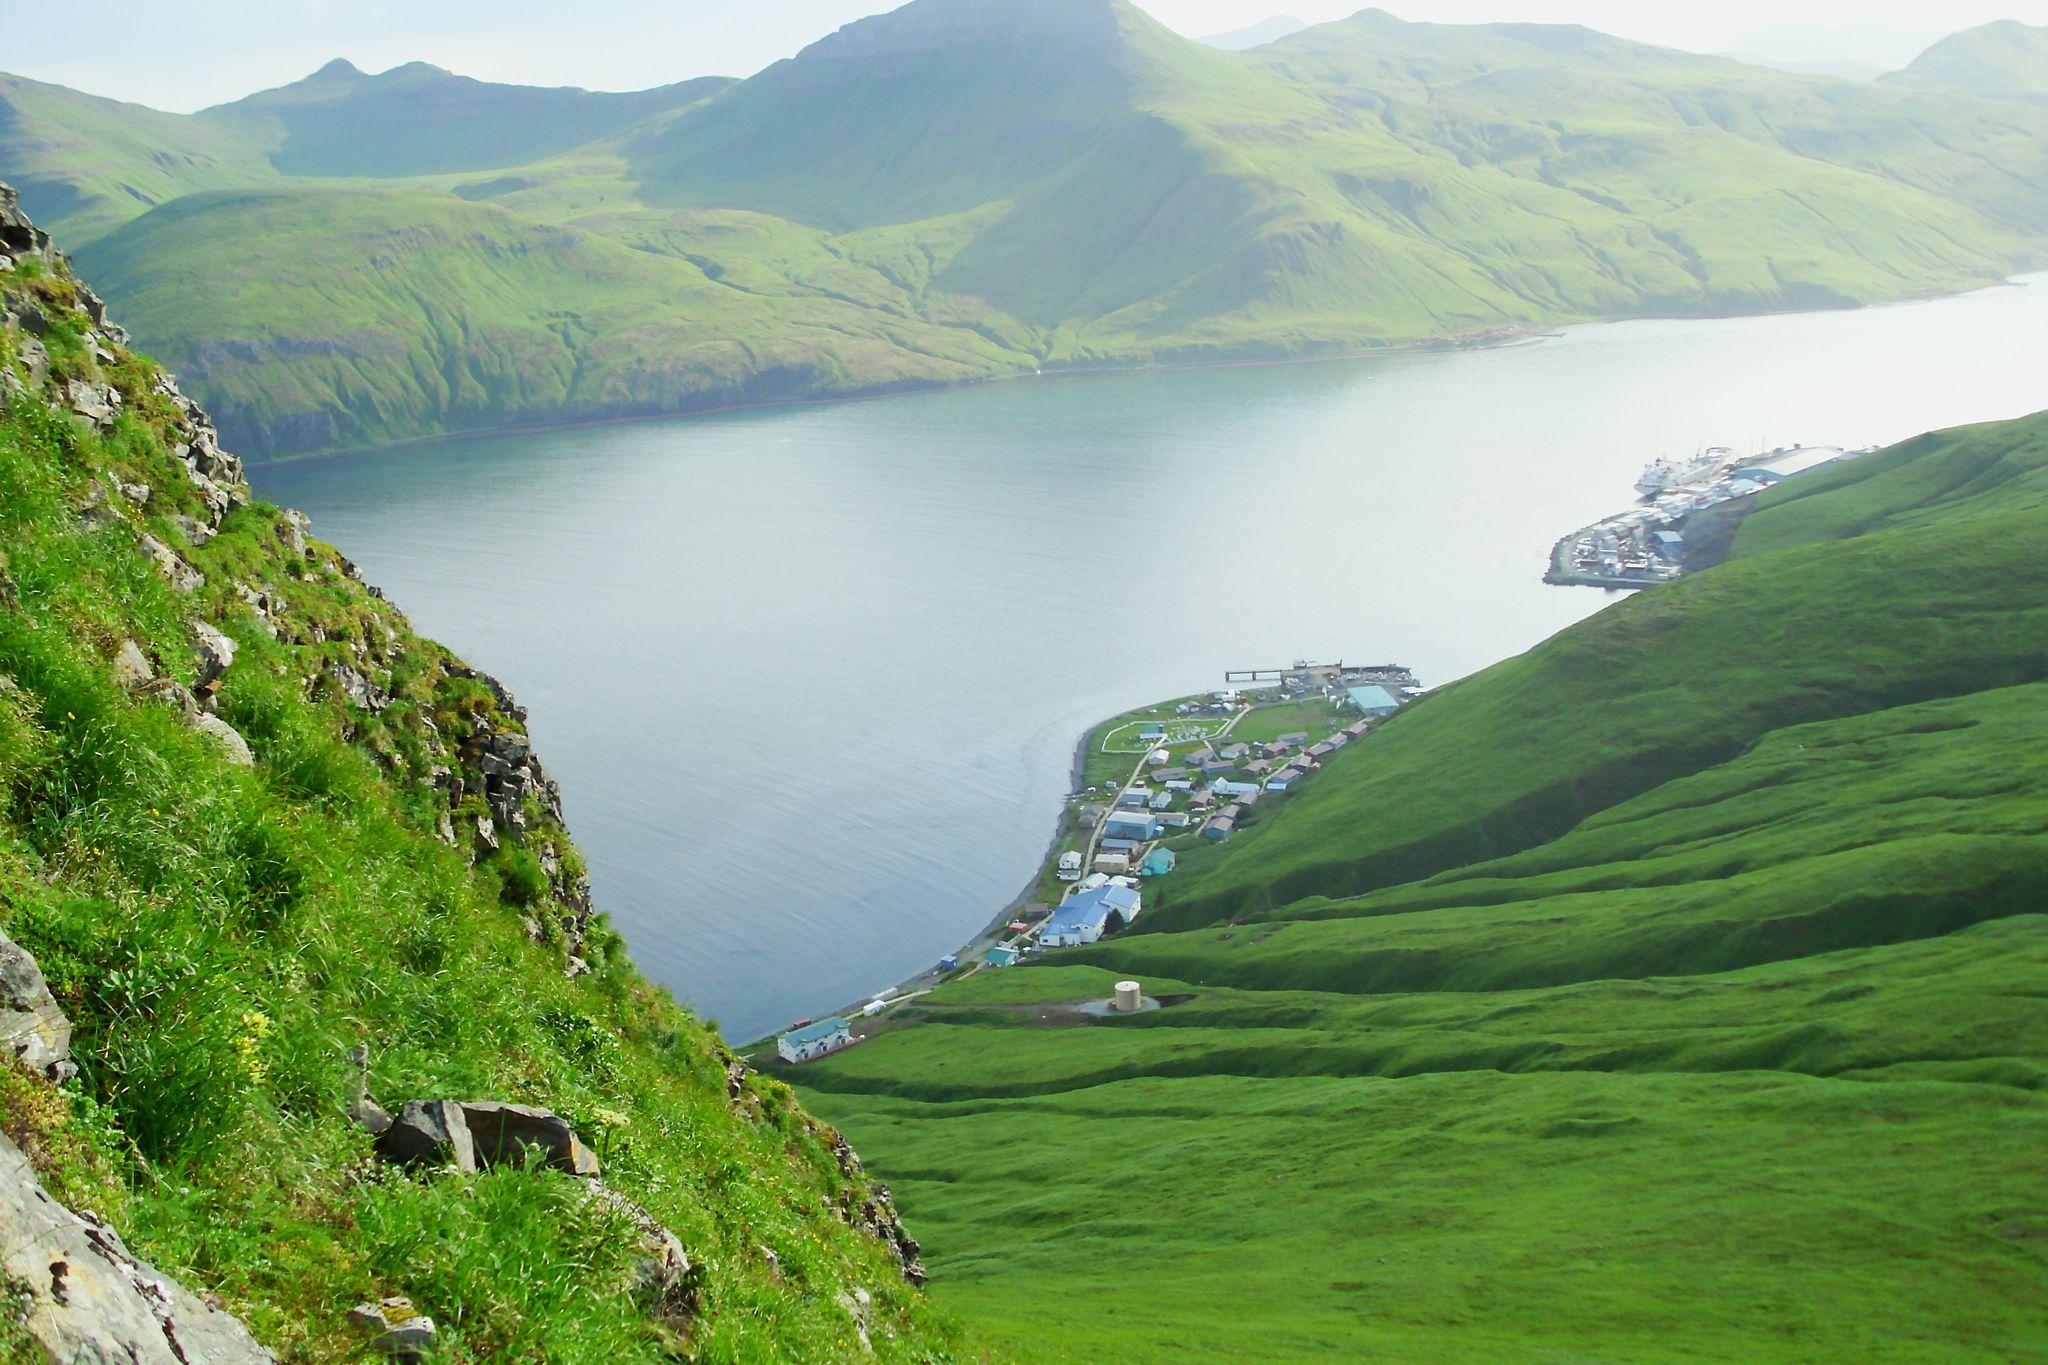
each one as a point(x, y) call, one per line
point(251, 822)
point(967, 188)
point(1691, 1008)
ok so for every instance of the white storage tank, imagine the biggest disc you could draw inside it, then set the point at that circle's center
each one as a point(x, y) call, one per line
point(1128, 997)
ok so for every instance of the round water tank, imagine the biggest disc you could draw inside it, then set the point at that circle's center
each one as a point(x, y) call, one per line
point(1128, 997)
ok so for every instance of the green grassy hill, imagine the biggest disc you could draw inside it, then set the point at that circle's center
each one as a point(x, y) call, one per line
point(1669, 992)
point(2007, 58)
point(970, 188)
point(85, 165)
point(235, 871)
point(411, 311)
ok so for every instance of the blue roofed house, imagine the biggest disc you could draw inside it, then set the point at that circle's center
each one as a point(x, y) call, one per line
point(1375, 700)
point(814, 1040)
point(1157, 863)
point(1086, 917)
point(1135, 825)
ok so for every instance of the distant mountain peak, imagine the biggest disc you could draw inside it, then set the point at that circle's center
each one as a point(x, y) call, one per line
point(2006, 58)
point(341, 68)
point(1256, 35)
point(924, 25)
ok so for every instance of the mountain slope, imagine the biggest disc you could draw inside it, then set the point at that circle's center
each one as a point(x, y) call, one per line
point(2006, 59)
point(88, 164)
point(277, 855)
point(417, 119)
point(969, 188)
point(341, 316)
point(1257, 35)
point(1685, 970)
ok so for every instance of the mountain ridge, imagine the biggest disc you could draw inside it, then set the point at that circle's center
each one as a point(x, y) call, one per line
point(1014, 187)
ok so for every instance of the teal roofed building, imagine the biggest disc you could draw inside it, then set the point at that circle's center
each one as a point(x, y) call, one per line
point(1375, 700)
point(1003, 955)
point(1157, 863)
point(814, 1040)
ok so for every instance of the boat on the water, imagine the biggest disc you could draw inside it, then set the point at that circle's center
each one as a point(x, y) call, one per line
point(1664, 474)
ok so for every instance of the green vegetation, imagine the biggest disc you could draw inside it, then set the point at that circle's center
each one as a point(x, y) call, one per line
point(1314, 716)
point(1006, 186)
point(1669, 992)
point(2006, 59)
point(222, 935)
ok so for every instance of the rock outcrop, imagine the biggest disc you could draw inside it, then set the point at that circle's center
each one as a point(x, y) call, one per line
point(84, 1297)
point(34, 1030)
point(474, 1134)
point(875, 1212)
point(75, 1288)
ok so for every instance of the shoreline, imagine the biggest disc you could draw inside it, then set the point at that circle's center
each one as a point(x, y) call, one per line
point(990, 933)
point(986, 935)
point(1503, 338)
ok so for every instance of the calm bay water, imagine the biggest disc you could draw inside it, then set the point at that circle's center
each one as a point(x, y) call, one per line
point(812, 677)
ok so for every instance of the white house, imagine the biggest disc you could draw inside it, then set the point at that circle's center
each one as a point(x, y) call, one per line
point(814, 1040)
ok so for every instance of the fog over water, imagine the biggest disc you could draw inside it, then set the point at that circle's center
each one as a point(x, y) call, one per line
point(811, 677)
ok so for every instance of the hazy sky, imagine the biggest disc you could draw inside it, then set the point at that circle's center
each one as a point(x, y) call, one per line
point(196, 52)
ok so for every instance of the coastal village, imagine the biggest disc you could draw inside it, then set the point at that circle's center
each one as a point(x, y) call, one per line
point(1150, 785)
point(1648, 544)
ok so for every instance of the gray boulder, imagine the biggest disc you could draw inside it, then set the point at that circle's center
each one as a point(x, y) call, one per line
point(86, 1299)
point(226, 735)
point(506, 1133)
point(131, 666)
point(96, 403)
point(216, 655)
point(394, 1327)
point(474, 1134)
point(33, 1028)
point(182, 576)
point(428, 1131)
point(35, 357)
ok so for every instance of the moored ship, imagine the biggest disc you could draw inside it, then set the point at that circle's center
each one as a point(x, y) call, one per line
point(1663, 474)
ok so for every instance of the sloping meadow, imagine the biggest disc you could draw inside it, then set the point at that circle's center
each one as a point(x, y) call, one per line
point(1670, 991)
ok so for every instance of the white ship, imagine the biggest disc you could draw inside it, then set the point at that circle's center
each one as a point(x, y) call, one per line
point(1665, 474)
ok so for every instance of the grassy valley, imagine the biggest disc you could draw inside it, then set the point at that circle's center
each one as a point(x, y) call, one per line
point(1671, 991)
point(1008, 186)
